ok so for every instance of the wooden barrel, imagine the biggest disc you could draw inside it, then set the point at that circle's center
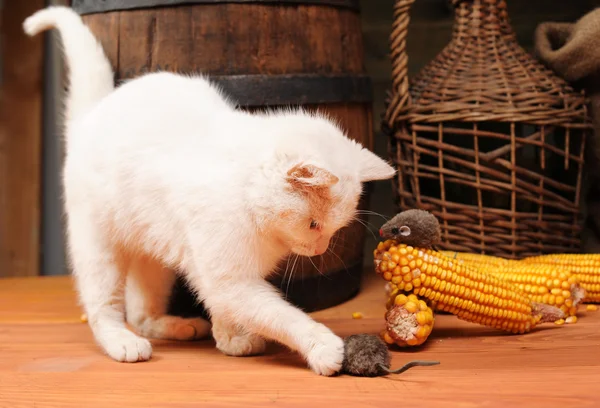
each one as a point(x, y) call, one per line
point(265, 54)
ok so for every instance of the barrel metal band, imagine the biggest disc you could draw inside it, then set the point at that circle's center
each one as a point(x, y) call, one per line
point(95, 6)
point(270, 90)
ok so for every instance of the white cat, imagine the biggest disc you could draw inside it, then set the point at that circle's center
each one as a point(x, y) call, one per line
point(165, 173)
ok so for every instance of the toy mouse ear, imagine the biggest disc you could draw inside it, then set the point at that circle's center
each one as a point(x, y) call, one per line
point(309, 175)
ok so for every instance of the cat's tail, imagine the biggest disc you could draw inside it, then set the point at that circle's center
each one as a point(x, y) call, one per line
point(91, 76)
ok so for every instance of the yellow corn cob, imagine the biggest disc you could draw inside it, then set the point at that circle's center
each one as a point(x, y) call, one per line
point(460, 289)
point(542, 283)
point(409, 321)
point(585, 267)
point(545, 284)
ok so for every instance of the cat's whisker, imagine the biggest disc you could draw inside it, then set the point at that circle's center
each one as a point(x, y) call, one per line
point(322, 260)
point(287, 290)
point(292, 272)
point(337, 238)
point(364, 224)
point(341, 242)
point(368, 212)
point(287, 266)
point(316, 267)
point(338, 257)
point(370, 224)
point(337, 241)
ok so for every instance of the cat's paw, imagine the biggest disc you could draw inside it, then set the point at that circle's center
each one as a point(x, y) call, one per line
point(326, 352)
point(174, 328)
point(240, 346)
point(189, 329)
point(235, 344)
point(124, 346)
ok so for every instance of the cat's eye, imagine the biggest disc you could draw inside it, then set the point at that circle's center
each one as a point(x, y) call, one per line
point(314, 225)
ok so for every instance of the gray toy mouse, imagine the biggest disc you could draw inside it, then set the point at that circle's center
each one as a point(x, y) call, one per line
point(413, 227)
point(367, 355)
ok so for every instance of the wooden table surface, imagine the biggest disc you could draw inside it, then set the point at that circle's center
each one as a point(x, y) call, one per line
point(48, 359)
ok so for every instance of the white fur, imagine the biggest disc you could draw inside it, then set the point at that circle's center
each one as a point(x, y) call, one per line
point(164, 173)
point(91, 76)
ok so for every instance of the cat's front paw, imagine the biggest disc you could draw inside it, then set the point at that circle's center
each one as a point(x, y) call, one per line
point(125, 346)
point(233, 343)
point(243, 346)
point(326, 352)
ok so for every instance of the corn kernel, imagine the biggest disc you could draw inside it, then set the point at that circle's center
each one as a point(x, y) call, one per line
point(411, 307)
point(422, 332)
point(571, 319)
point(401, 300)
point(387, 338)
point(412, 342)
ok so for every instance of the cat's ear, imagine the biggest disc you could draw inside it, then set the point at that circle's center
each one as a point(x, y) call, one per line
point(309, 175)
point(372, 167)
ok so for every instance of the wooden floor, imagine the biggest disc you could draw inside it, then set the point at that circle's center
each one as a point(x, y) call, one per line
point(48, 359)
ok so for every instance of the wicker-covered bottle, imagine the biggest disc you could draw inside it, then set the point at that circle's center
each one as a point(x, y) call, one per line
point(487, 139)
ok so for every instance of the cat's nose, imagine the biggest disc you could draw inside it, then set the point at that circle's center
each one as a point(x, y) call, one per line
point(321, 248)
point(320, 251)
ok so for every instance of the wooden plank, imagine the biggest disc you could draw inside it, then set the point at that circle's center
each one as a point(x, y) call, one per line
point(20, 142)
point(223, 40)
point(93, 6)
point(49, 359)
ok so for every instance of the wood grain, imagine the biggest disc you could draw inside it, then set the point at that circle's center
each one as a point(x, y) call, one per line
point(20, 141)
point(224, 39)
point(48, 359)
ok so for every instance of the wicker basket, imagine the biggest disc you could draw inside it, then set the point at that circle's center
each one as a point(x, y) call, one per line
point(487, 138)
